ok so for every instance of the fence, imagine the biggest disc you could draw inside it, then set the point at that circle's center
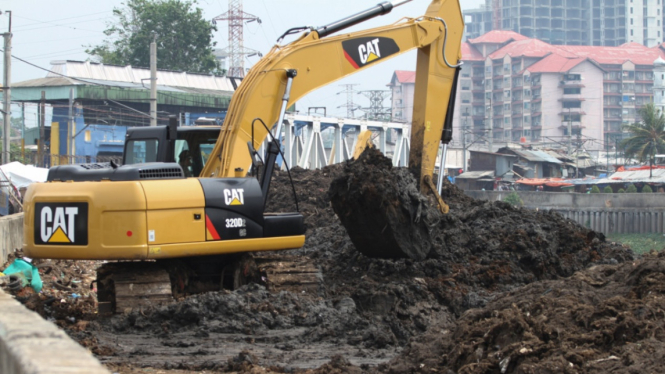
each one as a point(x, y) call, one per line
point(608, 213)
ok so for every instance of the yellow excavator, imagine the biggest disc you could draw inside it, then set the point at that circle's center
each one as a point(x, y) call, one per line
point(164, 234)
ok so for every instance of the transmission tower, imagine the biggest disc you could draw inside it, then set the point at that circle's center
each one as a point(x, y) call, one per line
point(236, 49)
point(350, 106)
point(376, 110)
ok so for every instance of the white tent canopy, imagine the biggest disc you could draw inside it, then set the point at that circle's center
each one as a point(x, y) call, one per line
point(22, 175)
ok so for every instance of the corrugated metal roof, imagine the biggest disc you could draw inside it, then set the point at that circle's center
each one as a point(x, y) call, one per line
point(476, 174)
point(537, 156)
point(635, 176)
point(94, 71)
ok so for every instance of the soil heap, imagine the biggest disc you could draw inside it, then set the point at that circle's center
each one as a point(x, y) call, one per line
point(371, 308)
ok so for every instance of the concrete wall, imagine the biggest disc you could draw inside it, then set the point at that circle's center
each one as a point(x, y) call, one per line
point(28, 343)
point(607, 213)
point(31, 345)
point(11, 235)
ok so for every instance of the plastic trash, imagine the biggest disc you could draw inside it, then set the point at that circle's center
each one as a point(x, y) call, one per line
point(27, 272)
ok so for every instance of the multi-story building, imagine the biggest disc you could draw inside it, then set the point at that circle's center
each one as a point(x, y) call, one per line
point(573, 22)
point(517, 89)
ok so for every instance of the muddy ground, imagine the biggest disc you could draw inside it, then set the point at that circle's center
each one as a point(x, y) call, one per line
point(500, 290)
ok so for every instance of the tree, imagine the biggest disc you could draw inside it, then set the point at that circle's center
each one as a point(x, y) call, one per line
point(648, 136)
point(631, 189)
point(513, 199)
point(647, 189)
point(607, 189)
point(595, 189)
point(621, 190)
point(184, 37)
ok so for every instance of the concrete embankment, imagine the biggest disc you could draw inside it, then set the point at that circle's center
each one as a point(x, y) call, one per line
point(605, 212)
point(28, 343)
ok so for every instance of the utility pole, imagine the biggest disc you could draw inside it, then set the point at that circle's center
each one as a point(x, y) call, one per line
point(70, 130)
point(23, 132)
point(6, 155)
point(153, 81)
point(42, 123)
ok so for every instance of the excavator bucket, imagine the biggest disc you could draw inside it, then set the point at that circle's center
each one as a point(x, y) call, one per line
point(382, 208)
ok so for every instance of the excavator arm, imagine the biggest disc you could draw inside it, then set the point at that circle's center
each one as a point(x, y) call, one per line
point(313, 61)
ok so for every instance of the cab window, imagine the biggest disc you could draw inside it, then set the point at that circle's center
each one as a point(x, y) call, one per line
point(141, 151)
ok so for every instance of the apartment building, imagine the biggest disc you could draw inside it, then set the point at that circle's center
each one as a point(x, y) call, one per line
point(573, 22)
point(514, 89)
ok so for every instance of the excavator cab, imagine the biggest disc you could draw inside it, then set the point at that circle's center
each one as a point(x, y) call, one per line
point(189, 146)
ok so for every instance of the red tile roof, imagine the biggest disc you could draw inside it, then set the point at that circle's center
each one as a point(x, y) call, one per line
point(470, 53)
point(529, 48)
point(555, 64)
point(568, 56)
point(634, 52)
point(405, 76)
point(498, 36)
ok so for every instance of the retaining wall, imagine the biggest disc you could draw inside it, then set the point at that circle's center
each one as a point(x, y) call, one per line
point(28, 343)
point(11, 235)
point(607, 213)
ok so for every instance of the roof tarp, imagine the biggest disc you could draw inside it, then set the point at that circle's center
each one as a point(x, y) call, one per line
point(22, 175)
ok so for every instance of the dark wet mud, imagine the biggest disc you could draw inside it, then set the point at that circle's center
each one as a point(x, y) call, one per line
point(499, 290)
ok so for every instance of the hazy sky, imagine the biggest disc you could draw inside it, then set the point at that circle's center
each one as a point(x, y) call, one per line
point(44, 31)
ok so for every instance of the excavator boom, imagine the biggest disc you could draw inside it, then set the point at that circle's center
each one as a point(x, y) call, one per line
point(319, 61)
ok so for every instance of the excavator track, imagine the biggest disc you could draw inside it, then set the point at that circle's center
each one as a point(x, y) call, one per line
point(124, 287)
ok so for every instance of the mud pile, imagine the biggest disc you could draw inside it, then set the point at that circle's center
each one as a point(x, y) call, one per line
point(371, 308)
point(607, 319)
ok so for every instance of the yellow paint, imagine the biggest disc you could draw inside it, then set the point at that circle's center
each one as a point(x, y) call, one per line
point(55, 143)
point(228, 246)
point(59, 236)
point(320, 62)
point(155, 250)
point(372, 57)
point(114, 208)
point(236, 202)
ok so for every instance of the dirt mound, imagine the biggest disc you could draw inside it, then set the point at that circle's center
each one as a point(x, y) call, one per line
point(608, 318)
point(370, 308)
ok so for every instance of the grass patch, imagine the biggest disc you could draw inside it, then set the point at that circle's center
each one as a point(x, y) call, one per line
point(640, 243)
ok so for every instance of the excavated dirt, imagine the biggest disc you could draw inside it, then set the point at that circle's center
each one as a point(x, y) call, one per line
point(500, 290)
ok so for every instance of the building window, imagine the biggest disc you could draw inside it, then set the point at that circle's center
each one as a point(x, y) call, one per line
point(572, 91)
point(88, 136)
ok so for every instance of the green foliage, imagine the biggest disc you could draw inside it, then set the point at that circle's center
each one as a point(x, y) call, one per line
point(513, 199)
point(14, 152)
point(631, 189)
point(640, 243)
point(621, 190)
point(607, 189)
point(184, 37)
point(648, 136)
point(647, 189)
point(595, 189)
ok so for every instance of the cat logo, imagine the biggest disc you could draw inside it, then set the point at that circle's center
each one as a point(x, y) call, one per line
point(234, 196)
point(61, 223)
point(362, 51)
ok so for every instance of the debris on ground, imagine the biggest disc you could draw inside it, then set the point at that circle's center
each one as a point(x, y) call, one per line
point(501, 289)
